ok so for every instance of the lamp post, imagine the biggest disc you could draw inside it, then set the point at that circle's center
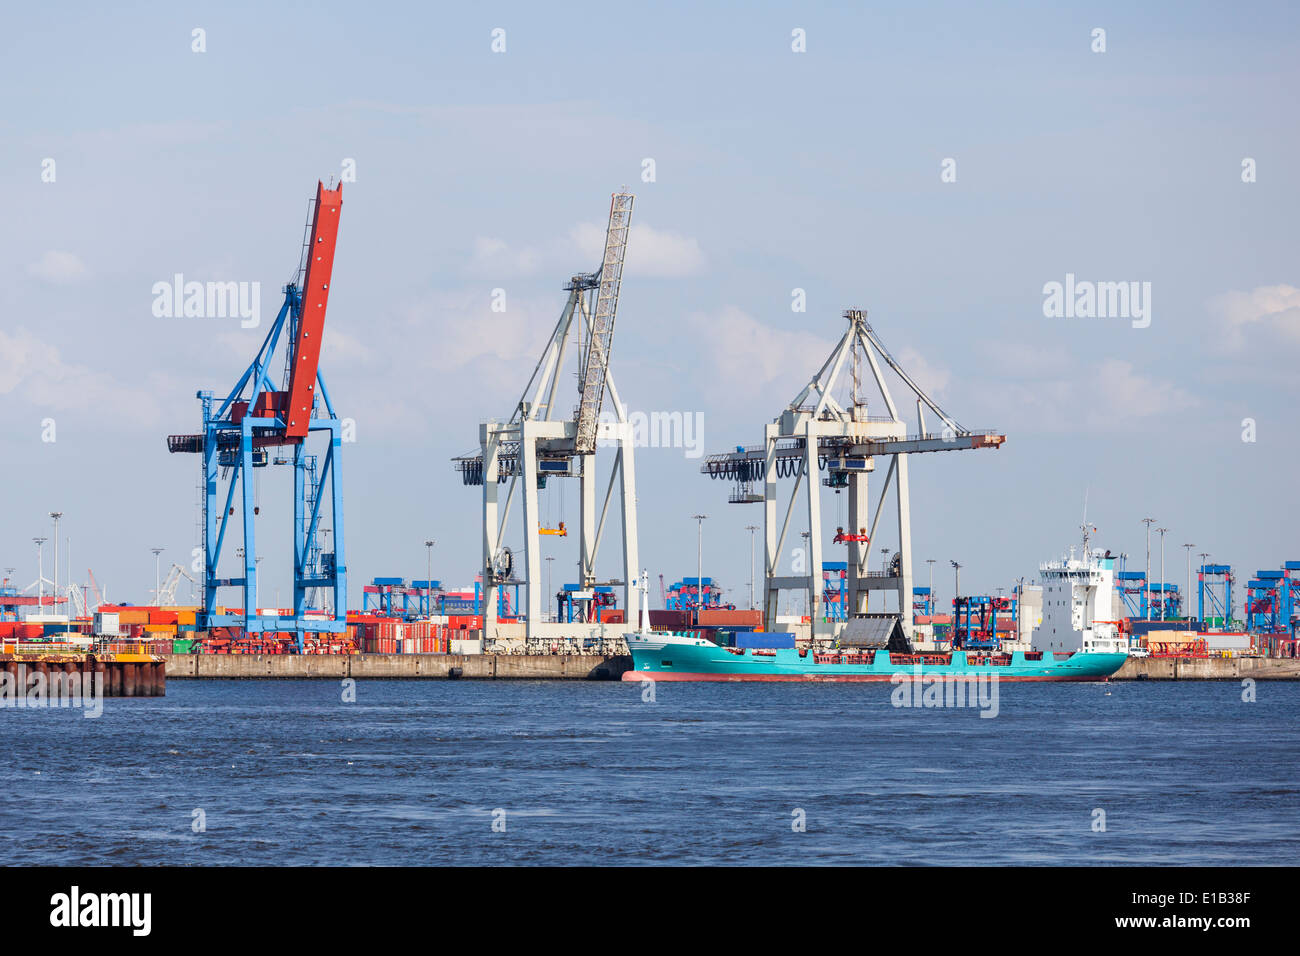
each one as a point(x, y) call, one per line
point(550, 593)
point(428, 581)
point(956, 584)
point(1020, 603)
point(699, 566)
point(325, 602)
point(1187, 600)
point(751, 528)
point(930, 562)
point(1164, 588)
point(157, 576)
point(1199, 610)
point(40, 573)
point(1147, 580)
point(807, 593)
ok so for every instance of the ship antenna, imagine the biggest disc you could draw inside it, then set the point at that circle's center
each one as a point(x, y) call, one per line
point(1084, 526)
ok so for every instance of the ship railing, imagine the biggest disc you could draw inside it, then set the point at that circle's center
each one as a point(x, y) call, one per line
point(36, 649)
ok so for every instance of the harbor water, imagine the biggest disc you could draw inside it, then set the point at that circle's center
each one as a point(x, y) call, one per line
point(286, 772)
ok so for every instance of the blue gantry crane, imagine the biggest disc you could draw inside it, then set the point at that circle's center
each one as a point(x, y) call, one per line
point(1214, 595)
point(240, 430)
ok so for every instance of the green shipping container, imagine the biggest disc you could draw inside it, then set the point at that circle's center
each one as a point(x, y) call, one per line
point(180, 646)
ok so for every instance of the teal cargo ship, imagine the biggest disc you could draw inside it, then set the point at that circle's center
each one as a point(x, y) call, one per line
point(683, 657)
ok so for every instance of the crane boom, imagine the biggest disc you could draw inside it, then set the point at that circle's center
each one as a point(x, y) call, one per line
point(305, 356)
point(599, 342)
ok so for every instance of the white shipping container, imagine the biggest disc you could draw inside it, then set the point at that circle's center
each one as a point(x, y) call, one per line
point(1228, 642)
point(107, 623)
point(466, 647)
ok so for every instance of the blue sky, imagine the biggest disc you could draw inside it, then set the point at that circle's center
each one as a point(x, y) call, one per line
point(775, 170)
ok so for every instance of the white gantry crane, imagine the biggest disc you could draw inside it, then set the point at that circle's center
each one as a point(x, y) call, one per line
point(543, 440)
point(816, 435)
point(167, 593)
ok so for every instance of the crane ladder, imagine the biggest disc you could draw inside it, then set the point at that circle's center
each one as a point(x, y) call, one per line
point(602, 323)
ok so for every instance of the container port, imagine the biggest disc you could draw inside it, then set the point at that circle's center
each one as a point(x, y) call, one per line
point(826, 447)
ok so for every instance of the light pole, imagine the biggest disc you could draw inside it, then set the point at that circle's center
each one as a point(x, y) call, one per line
point(1187, 601)
point(428, 581)
point(320, 592)
point(699, 566)
point(807, 593)
point(751, 528)
point(56, 515)
point(1199, 610)
point(40, 574)
point(550, 594)
point(1147, 580)
point(157, 575)
point(930, 562)
point(956, 586)
point(1164, 588)
point(1020, 603)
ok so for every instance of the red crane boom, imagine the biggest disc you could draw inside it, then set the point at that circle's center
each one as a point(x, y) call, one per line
point(311, 322)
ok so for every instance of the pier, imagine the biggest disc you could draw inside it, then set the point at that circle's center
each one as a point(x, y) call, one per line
point(399, 666)
point(60, 676)
point(605, 667)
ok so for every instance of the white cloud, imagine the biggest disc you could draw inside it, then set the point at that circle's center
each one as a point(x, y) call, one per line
point(341, 347)
point(496, 258)
point(650, 252)
point(467, 336)
point(1128, 392)
point(1110, 395)
point(34, 371)
point(1274, 308)
point(57, 266)
point(747, 356)
point(930, 376)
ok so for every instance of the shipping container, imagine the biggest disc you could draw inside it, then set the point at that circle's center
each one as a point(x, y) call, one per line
point(718, 616)
point(758, 639)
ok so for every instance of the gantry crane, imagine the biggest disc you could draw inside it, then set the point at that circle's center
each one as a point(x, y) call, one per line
point(815, 434)
point(540, 442)
point(167, 591)
point(256, 416)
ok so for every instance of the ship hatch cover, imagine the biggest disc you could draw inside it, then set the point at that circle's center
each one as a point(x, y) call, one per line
point(876, 631)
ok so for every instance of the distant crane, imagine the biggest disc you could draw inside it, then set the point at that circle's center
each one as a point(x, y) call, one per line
point(95, 589)
point(167, 592)
point(256, 416)
point(540, 442)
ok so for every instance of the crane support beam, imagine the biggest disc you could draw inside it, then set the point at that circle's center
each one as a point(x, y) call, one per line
point(311, 322)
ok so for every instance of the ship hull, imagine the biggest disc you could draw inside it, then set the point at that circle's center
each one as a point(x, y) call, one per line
point(677, 658)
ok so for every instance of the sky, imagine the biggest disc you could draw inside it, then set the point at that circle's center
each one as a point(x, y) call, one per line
point(936, 164)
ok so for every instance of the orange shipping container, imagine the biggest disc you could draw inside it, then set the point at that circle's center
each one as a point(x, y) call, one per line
point(722, 618)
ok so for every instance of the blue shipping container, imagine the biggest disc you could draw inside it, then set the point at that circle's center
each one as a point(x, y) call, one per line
point(764, 640)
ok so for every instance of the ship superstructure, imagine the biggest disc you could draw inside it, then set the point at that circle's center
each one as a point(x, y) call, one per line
point(1078, 604)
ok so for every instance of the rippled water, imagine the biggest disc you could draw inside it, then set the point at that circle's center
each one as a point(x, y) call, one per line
point(286, 773)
